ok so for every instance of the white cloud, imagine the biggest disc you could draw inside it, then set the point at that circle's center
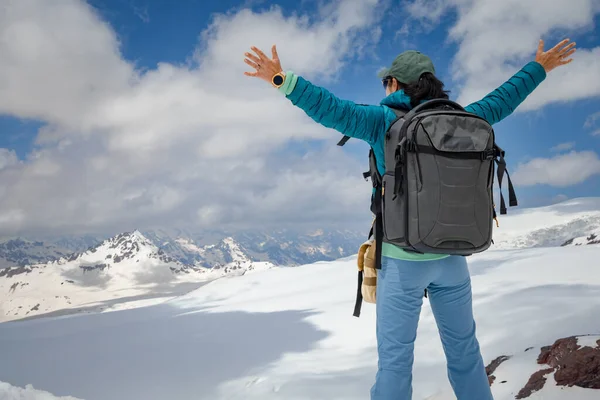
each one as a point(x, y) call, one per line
point(591, 123)
point(198, 143)
point(562, 170)
point(429, 11)
point(563, 146)
point(9, 392)
point(8, 158)
point(141, 13)
point(58, 61)
point(496, 38)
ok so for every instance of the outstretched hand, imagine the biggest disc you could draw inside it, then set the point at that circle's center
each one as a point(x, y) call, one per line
point(265, 67)
point(556, 56)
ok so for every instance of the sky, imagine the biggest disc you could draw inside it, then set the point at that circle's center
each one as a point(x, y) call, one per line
point(135, 114)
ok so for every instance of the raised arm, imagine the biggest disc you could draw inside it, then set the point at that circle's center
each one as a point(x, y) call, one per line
point(355, 120)
point(500, 103)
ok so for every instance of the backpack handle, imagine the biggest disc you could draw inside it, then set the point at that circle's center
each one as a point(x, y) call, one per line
point(433, 104)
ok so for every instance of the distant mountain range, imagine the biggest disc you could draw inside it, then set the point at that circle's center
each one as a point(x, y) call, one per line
point(198, 249)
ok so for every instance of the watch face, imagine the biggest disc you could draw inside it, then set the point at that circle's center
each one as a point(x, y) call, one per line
point(278, 80)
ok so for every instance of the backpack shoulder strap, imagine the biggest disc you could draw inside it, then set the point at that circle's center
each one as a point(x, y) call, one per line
point(399, 113)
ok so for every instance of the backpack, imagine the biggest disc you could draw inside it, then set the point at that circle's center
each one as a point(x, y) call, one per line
point(436, 195)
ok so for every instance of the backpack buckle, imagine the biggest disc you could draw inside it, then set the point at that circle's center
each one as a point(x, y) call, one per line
point(411, 146)
point(488, 155)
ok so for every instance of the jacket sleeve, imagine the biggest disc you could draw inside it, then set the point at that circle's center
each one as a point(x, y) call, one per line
point(500, 103)
point(363, 122)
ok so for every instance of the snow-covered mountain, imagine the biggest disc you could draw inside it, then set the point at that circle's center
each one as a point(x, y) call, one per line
point(207, 249)
point(280, 247)
point(123, 269)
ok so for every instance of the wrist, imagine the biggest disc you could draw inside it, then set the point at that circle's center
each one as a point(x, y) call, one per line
point(289, 83)
point(537, 70)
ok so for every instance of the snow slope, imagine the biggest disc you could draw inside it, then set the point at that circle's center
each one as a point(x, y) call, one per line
point(122, 272)
point(547, 226)
point(288, 333)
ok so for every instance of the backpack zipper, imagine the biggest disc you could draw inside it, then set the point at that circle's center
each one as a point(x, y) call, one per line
point(412, 146)
point(419, 172)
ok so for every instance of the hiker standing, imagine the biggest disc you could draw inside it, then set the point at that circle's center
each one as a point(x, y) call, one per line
point(404, 275)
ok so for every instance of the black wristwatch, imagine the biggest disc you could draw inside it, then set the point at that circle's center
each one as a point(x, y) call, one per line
point(278, 79)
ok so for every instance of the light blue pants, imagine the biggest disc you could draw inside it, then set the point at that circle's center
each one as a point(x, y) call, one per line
point(400, 287)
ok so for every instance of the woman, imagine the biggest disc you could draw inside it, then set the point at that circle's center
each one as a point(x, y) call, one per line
point(404, 276)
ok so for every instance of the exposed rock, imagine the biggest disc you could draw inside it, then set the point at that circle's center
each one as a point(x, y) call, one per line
point(572, 364)
point(544, 354)
point(558, 351)
point(568, 242)
point(536, 382)
point(12, 271)
point(580, 368)
point(492, 367)
point(88, 268)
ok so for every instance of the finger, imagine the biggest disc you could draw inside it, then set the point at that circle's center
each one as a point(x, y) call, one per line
point(568, 53)
point(262, 55)
point(540, 49)
point(251, 63)
point(251, 73)
point(564, 62)
point(253, 58)
point(567, 48)
point(559, 45)
point(274, 51)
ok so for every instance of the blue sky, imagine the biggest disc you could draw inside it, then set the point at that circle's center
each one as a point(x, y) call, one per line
point(152, 34)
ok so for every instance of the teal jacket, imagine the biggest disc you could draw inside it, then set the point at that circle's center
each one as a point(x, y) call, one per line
point(370, 123)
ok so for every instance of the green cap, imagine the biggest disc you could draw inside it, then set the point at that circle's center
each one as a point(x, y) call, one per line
point(408, 67)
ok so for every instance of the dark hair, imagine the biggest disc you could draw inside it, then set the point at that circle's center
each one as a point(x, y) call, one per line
point(426, 88)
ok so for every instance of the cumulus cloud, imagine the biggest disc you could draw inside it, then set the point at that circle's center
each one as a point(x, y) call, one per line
point(9, 392)
point(196, 143)
point(496, 38)
point(562, 170)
